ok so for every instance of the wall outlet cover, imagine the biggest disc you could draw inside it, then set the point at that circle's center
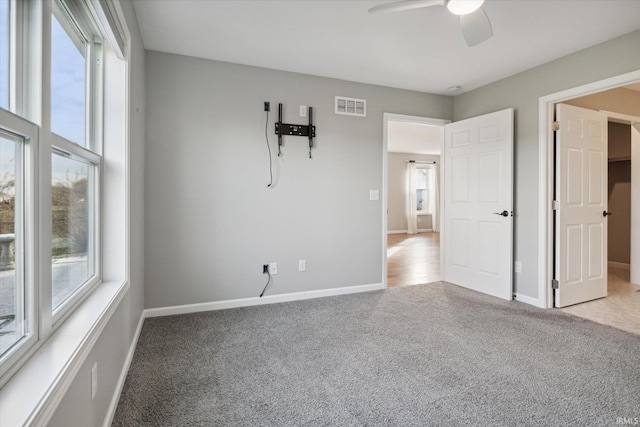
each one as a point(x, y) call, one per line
point(273, 268)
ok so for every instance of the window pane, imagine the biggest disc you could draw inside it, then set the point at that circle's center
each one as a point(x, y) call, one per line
point(421, 178)
point(12, 291)
point(68, 84)
point(71, 210)
point(422, 199)
point(4, 54)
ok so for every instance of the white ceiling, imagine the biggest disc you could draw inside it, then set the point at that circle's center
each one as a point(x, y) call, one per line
point(420, 50)
point(415, 138)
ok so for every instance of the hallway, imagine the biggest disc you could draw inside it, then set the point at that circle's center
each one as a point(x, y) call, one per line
point(413, 259)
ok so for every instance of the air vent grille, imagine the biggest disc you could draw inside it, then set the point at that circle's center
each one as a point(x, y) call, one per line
point(351, 106)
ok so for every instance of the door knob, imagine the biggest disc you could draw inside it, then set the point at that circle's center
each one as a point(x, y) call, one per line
point(503, 213)
point(605, 213)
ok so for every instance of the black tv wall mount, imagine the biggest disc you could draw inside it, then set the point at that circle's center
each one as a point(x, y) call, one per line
point(295, 130)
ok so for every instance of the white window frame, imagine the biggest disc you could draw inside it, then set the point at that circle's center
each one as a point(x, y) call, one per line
point(29, 115)
point(27, 222)
point(430, 190)
point(79, 22)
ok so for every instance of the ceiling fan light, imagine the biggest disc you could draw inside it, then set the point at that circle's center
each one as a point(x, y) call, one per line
point(463, 7)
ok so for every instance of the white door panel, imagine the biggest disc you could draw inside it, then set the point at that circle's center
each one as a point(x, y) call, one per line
point(478, 182)
point(581, 247)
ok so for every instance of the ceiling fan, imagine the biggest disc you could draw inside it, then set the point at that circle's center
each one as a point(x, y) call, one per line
point(475, 24)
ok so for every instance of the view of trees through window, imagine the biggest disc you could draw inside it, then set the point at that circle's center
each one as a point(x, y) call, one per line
point(70, 211)
point(11, 285)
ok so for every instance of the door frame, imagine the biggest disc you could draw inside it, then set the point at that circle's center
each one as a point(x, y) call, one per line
point(393, 117)
point(545, 173)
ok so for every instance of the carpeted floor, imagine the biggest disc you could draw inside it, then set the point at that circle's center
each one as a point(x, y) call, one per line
point(433, 354)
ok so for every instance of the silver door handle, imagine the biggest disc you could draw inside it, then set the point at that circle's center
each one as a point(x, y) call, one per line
point(503, 213)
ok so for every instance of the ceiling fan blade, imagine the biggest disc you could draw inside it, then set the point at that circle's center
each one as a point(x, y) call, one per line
point(476, 27)
point(405, 5)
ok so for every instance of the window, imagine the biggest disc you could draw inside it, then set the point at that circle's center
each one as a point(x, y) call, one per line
point(13, 316)
point(4, 53)
point(32, 302)
point(68, 79)
point(75, 162)
point(424, 189)
point(72, 209)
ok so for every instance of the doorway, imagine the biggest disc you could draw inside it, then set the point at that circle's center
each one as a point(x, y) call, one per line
point(617, 107)
point(411, 225)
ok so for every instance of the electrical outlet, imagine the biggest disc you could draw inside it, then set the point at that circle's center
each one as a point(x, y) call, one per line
point(517, 267)
point(303, 111)
point(265, 268)
point(273, 268)
point(374, 195)
point(302, 265)
point(267, 106)
point(94, 380)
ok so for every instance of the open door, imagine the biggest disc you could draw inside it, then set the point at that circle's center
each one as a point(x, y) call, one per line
point(478, 204)
point(581, 215)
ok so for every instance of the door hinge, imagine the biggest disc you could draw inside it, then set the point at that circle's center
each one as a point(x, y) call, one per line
point(555, 284)
point(555, 126)
point(555, 205)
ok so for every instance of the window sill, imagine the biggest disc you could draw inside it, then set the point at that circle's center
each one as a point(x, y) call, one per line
point(34, 392)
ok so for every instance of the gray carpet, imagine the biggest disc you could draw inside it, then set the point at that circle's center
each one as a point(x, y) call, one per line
point(432, 354)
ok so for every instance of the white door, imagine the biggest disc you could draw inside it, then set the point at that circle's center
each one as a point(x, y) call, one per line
point(581, 192)
point(478, 204)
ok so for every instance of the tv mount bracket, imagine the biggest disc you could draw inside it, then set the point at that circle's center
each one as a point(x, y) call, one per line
point(295, 130)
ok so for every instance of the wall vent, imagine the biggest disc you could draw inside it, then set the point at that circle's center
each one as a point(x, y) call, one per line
point(351, 106)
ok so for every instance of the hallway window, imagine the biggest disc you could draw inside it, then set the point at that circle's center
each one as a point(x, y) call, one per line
point(424, 189)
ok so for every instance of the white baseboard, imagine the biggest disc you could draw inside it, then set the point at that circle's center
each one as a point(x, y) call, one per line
point(425, 230)
point(270, 299)
point(111, 412)
point(529, 300)
point(622, 265)
point(397, 232)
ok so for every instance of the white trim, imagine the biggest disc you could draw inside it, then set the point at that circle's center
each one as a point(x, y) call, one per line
point(248, 302)
point(34, 393)
point(386, 118)
point(545, 172)
point(622, 265)
point(111, 412)
point(397, 232)
point(528, 300)
point(621, 118)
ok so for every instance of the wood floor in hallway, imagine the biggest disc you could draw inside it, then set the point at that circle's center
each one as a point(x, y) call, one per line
point(413, 259)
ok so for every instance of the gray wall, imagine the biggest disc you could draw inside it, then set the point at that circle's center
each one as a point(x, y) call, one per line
point(522, 92)
point(396, 190)
point(211, 221)
point(110, 351)
point(619, 224)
